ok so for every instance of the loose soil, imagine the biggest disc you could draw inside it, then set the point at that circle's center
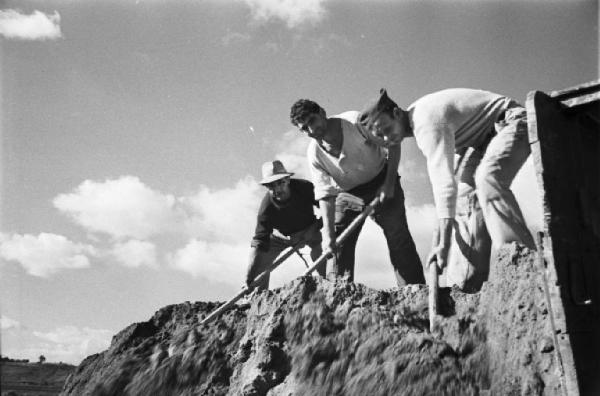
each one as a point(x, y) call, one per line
point(314, 337)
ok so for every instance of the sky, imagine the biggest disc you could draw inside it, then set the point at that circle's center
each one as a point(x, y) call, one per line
point(133, 132)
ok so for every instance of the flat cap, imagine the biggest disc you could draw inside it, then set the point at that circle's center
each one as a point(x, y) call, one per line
point(375, 107)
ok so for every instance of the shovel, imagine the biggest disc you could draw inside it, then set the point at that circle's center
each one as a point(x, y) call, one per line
point(245, 290)
point(286, 254)
point(342, 237)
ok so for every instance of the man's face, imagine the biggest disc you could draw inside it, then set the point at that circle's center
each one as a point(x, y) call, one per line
point(387, 130)
point(280, 189)
point(314, 125)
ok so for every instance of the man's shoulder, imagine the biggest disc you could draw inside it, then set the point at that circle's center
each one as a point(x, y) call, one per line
point(350, 116)
point(304, 191)
point(312, 151)
point(452, 95)
point(441, 105)
point(301, 183)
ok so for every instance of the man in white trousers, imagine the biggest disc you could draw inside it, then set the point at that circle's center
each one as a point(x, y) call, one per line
point(450, 122)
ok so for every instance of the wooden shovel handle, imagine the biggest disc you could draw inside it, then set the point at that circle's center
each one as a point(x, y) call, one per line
point(432, 275)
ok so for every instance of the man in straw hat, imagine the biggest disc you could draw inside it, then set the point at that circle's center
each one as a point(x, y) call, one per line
point(449, 122)
point(285, 218)
point(347, 168)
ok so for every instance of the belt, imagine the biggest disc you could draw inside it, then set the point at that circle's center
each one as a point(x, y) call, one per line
point(481, 147)
point(371, 186)
point(501, 117)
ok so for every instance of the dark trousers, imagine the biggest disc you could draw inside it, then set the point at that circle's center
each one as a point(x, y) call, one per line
point(391, 217)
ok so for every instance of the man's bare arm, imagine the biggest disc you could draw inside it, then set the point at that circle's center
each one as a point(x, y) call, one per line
point(327, 207)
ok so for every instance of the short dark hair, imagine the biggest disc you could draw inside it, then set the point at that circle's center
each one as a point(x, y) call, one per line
point(301, 108)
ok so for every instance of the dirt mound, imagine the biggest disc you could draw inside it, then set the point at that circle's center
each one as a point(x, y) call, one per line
point(313, 337)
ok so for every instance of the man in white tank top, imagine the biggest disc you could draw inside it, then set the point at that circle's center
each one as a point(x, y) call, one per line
point(342, 158)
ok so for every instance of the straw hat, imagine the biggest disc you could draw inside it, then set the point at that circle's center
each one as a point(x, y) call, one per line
point(272, 171)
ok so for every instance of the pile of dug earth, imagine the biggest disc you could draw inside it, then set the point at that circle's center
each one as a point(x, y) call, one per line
point(314, 337)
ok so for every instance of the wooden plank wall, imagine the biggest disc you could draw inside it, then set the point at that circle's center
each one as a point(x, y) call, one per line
point(564, 133)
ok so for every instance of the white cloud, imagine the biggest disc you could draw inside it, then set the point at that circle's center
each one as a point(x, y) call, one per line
point(124, 207)
point(227, 215)
point(7, 323)
point(37, 26)
point(45, 254)
point(215, 262)
point(135, 253)
point(68, 344)
point(293, 12)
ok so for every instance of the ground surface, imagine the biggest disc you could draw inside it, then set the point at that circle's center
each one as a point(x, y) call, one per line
point(28, 379)
point(313, 337)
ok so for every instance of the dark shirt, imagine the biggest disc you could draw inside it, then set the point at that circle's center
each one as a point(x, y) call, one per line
point(294, 215)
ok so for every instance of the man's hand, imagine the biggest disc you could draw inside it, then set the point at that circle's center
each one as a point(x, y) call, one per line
point(249, 276)
point(441, 243)
point(332, 271)
point(386, 192)
point(252, 265)
point(438, 256)
point(331, 268)
point(327, 206)
point(249, 281)
point(346, 201)
point(328, 245)
point(278, 234)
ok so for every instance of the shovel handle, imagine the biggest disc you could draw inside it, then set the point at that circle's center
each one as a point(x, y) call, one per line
point(245, 290)
point(433, 294)
point(287, 253)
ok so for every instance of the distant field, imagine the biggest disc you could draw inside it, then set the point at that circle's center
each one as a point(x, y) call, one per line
point(28, 379)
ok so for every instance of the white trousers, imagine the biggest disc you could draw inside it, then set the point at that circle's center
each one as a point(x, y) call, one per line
point(486, 209)
point(504, 156)
point(469, 256)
